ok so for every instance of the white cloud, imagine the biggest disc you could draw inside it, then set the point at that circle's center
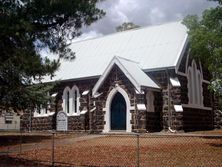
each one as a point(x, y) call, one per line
point(156, 16)
point(145, 12)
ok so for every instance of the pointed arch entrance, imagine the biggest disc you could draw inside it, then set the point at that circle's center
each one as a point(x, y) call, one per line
point(116, 102)
point(118, 112)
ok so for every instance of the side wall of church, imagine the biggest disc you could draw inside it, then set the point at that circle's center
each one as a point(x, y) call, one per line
point(195, 118)
point(170, 97)
point(190, 119)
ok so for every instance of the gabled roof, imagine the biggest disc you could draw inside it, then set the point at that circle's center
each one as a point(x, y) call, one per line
point(153, 47)
point(131, 70)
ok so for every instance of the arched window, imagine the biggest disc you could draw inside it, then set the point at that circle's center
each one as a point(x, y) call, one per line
point(66, 100)
point(195, 85)
point(75, 100)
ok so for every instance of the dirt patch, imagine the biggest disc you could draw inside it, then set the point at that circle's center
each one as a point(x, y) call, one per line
point(209, 132)
point(11, 142)
point(122, 151)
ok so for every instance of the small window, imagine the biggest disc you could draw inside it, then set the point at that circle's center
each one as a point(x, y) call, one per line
point(66, 98)
point(8, 121)
point(75, 99)
point(67, 102)
point(8, 118)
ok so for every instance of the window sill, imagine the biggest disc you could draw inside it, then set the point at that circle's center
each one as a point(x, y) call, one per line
point(40, 115)
point(73, 114)
point(43, 115)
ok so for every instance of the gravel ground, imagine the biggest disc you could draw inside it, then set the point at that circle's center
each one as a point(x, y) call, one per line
point(160, 149)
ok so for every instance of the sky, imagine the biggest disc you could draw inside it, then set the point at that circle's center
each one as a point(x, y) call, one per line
point(142, 13)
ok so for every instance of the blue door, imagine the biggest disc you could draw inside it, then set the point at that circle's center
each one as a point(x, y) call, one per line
point(118, 113)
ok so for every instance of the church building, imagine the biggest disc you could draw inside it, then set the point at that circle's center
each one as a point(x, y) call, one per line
point(140, 80)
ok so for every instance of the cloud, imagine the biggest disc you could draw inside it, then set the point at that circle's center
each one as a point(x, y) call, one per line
point(145, 12)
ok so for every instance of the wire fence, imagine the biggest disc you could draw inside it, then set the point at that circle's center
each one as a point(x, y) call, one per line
point(81, 149)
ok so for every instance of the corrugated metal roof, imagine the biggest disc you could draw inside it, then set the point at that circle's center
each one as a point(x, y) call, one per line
point(131, 70)
point(153, 47)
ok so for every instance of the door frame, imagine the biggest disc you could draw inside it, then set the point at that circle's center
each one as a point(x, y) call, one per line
point(107, 109)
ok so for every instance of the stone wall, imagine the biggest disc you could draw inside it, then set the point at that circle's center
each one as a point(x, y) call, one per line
point(77, 123)
point(218, 119)
point(25, 121)
point(153, 123)
point(43, 123)
point(154, 120)
point(208, 96)
point(140, 120)
point(176, 117)
point(197, 119)
point(170, 96)
point(217, 113)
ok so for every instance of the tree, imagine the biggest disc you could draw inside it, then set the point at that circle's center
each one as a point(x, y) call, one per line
point(206, 42)
point(26, 27)
point(126, 26)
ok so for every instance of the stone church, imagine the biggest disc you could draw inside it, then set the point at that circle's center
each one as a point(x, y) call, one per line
point(140, 80)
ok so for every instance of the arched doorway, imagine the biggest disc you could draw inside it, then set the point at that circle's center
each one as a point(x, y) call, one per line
point(118, 112)
point(107, 109)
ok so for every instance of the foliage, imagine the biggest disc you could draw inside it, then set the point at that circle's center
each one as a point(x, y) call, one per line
point(206, 42)
point(126, 26)
point(26, 27)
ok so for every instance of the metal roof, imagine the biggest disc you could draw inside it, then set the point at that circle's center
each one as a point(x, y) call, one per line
point(131, 70)
point(153, 47)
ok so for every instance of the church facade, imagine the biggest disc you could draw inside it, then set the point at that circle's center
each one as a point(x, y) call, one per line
point(141, 80)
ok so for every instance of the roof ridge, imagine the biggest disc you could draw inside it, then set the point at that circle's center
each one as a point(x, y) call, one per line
point(119, 57)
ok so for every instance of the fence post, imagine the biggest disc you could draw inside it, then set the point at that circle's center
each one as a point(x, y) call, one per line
point(53, 144)
point(36, 150)
point(138, 151)
point(7, 150)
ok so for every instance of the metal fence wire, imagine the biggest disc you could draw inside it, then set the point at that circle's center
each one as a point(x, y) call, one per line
point(82, 149)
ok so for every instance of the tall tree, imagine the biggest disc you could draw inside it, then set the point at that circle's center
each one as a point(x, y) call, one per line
point(206, 41)
point(126, 26)
point(27, 26)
